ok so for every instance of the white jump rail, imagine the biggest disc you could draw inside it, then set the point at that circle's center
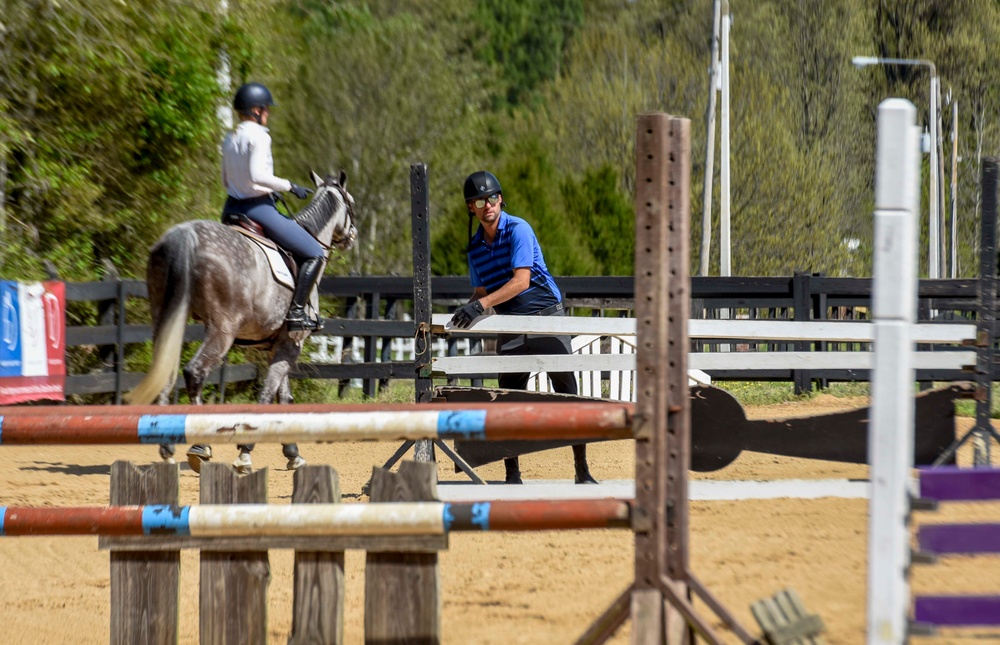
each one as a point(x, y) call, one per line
point(749, 330)
point(778, 330)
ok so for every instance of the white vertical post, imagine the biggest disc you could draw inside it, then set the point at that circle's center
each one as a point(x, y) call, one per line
point(222, 76)
point(890, 439)
point(942, 207)
point(934, 223)
point(954, 189)
point(706, 198)
point(725, 247)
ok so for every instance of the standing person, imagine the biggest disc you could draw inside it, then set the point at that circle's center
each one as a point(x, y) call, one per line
point(508, 273)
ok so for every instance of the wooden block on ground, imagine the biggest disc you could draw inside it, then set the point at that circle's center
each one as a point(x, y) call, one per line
point(785, 621)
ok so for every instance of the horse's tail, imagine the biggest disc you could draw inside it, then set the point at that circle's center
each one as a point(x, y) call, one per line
point(169, 269)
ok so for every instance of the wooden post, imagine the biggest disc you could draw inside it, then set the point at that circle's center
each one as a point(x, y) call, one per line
point(987, 287)
point(144, 588)
point(802, 303)
point(402, 590)
point(318, 598)
point(233, 589)
point(421, 233)
point(651, 283)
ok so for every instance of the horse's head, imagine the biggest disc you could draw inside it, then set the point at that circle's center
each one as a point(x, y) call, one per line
point(330, 214)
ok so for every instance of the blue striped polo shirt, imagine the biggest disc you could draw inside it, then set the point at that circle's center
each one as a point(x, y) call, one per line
point(515, 246)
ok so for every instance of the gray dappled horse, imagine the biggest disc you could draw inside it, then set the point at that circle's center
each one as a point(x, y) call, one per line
point(214, 273)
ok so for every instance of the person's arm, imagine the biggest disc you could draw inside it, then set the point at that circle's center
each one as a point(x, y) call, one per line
point(515, 286)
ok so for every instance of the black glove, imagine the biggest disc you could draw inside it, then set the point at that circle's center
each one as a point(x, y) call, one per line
point(466, 314)
point(299, 191)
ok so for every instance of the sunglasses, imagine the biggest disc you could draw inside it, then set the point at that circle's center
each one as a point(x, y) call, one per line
point(481, 203)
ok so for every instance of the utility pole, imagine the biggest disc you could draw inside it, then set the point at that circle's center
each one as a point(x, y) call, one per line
point(706, 200)
point(222, 76)
point(954, 189)
point(725, 250)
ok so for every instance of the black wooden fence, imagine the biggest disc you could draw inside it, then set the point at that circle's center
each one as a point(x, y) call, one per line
point(373, 307)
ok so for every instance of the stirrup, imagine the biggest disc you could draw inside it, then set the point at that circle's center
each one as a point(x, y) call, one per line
point(304, 324)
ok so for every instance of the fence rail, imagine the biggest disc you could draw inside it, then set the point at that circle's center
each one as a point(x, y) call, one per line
point(371, 337)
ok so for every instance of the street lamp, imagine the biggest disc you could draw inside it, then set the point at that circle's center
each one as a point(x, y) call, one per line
point(934, 223)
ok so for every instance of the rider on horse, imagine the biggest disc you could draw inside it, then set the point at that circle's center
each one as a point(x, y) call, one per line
point(249, 179)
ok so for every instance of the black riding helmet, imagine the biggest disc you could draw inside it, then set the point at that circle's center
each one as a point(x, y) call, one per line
point(481, 184)
point(478, 185)
point(251, 95)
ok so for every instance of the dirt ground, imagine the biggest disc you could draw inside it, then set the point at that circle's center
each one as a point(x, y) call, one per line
point(496, 588)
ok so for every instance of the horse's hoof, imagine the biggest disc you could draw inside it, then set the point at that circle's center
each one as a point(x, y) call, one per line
point(242, 464)
point(205, 452)
point(585, 478)
point(295, 463)
point(513, 479)
point(195, 461)
point(167, 454)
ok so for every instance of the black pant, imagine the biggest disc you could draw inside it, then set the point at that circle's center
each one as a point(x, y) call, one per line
point(526, 345)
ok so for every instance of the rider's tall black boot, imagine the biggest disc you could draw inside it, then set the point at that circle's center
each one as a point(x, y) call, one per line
point(309, 273)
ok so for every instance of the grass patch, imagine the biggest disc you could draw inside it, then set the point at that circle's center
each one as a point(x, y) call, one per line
point(775, 392)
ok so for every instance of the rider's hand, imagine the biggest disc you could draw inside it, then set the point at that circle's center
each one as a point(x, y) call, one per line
point(466, 314)
point(299, 191)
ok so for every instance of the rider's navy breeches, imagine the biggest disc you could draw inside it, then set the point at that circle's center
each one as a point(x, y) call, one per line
point(285, 232)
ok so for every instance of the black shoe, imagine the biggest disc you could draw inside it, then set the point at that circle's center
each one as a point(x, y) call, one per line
point(513, 471)
point(513, 478)
point(297, 320)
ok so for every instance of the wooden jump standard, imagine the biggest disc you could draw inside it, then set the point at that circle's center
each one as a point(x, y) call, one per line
point(659, 599)
point(952, 484)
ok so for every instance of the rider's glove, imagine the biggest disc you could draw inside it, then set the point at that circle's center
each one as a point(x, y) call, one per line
point(466, 314)
point(299, 191)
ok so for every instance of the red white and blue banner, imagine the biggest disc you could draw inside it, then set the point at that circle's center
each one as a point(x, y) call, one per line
point(32, 341)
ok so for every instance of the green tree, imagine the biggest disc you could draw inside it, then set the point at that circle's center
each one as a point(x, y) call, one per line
point(375, 96)
point(524, 41)
point(109, 122)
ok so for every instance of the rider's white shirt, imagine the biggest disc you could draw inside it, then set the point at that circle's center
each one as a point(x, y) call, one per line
point(247, 165)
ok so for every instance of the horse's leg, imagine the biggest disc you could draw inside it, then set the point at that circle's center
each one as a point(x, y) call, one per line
point(208, 356)
point(283, 357)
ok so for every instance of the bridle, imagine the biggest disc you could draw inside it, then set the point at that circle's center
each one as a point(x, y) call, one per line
point(348, 201)
point(336, 239)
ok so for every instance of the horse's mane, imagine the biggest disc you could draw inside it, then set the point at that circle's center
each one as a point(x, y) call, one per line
point(318, 212)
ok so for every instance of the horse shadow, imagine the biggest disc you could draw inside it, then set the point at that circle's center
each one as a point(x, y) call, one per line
point(69, 469)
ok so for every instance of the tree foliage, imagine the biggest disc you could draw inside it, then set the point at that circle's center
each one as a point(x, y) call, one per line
point(109, 129)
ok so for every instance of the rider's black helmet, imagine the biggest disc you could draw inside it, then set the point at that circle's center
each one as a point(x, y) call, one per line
point(252, 95)
point(481, 184)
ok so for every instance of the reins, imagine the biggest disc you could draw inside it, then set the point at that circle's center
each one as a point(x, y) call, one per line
point(334, 238)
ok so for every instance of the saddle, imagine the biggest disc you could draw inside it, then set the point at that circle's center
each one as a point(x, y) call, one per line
point(284, 273)
point(284, 269)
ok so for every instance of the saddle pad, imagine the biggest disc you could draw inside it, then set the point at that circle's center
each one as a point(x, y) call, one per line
point(274, 258)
